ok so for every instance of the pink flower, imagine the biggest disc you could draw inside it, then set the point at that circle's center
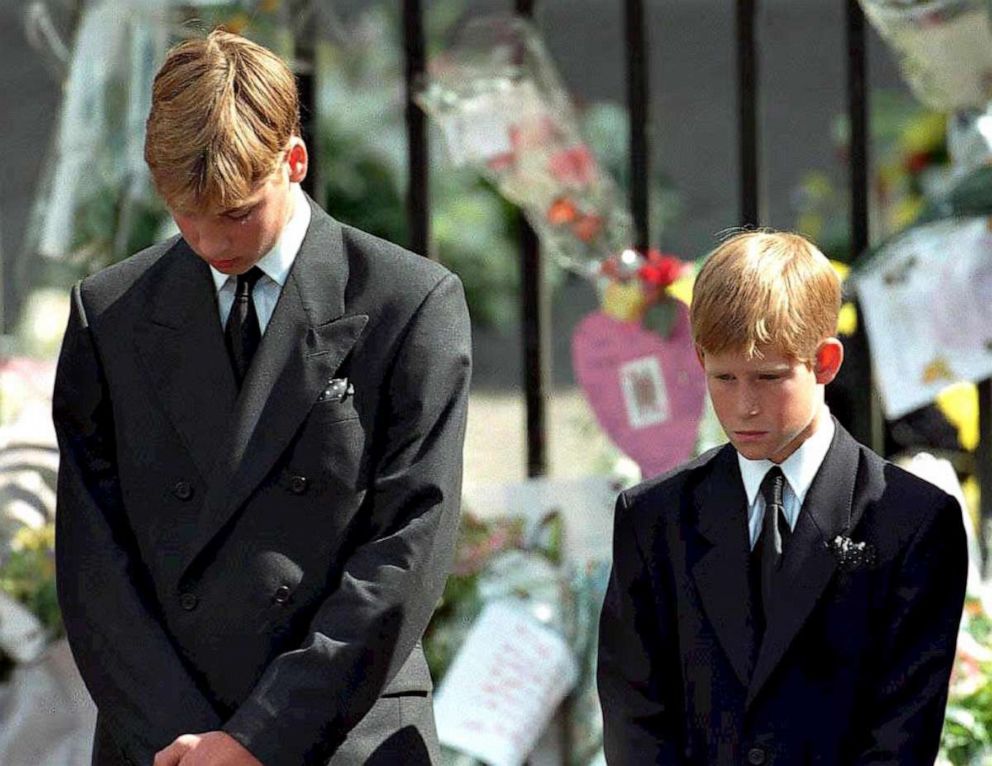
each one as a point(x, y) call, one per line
point(575, 166)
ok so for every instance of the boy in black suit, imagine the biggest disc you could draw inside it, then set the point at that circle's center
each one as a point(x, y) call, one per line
point(261, 424)
point(790, 597)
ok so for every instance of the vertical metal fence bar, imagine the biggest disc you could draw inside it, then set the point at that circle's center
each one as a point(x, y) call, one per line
point(306, 68)
point(637, 102)
point(747, 101)
point(418, 191)
point(983, 470)
point(866, 423)
point(857, 109)
point(535, 326)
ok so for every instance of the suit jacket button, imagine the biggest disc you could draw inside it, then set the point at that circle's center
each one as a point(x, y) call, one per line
point(756, 756)
point(188, 601)
point(183, 490)
point(298, 484)
point(281, 595)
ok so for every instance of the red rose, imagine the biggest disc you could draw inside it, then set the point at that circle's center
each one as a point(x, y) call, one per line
point(917, 162)
point(660, 270)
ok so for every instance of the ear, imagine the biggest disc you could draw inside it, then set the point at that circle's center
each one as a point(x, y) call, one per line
point(297, 159)
point(829, 357)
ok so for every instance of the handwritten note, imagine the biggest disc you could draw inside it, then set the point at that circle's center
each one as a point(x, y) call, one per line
point(925, 299)
point(504, 686)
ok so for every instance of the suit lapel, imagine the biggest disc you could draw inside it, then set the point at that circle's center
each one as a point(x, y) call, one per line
point(719, 556)
point(305, 342)
point(181, 345)
point(809, 565)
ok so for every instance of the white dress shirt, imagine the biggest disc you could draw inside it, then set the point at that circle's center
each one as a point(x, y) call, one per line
point(799, 468)
point(275, 265)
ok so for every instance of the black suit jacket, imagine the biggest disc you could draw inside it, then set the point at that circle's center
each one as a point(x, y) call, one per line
point(264, 562)
point(854, 665)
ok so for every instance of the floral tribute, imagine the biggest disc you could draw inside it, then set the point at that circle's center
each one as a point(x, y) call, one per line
point(944, 48)
point(967, 736)
point(635, 288)
point(502, 110)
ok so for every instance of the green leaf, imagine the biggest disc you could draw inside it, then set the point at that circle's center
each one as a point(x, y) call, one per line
point(660, 317)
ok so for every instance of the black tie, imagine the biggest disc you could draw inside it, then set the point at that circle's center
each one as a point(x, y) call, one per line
point(769, 548)
point(242, 333)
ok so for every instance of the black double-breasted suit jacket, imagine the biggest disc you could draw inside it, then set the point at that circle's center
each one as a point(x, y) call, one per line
point(264, 561)
point(855, 660)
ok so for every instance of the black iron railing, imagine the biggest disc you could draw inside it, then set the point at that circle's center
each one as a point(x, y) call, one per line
point(862, 414)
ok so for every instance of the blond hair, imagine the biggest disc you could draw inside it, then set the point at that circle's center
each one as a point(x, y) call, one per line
point(765, 288)
point(223, 112)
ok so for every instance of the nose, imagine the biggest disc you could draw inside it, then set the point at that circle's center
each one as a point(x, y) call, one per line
point(210, 244)
point(748, 405)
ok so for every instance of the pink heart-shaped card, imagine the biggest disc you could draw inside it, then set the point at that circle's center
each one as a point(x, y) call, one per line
point(646, 391)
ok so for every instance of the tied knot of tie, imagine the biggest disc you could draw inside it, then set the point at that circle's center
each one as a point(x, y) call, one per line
point(245, 283)
point(773, 487)
point(774, 526)
point(242, 333)
point(769, 548)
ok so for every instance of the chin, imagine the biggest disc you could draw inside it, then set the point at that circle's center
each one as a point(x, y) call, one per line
point(753, 451)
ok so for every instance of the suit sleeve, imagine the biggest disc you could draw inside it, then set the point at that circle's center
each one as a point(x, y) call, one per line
point(640, 726)
point(309, 698)
point(128, 662)
point(910, 693)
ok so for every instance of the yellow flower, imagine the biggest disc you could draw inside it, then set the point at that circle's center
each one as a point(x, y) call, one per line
point(29, 539)
point(959, 403)
point(847, 320)
point(682, 288)
point(923, 133)
point(906, 211)
point(624, 301)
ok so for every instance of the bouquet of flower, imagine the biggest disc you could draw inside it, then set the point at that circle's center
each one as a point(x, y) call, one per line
point(944, 48)
point(29, 612)
point(967, 737)
point(504, 112)
point(478, 543)
point(508, 561)
point(635, 288)
point(27, 574)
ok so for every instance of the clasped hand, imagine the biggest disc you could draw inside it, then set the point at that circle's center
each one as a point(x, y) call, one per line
point(212, 748)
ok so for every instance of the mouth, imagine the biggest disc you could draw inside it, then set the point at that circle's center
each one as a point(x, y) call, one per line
point(222, 265)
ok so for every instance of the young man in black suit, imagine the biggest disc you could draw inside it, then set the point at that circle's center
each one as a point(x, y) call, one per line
point(790, 597)
point(261, 424)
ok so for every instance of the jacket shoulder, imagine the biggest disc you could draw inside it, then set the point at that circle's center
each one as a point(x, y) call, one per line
point(105, 287)
point(907, 499)
point(661, 493)
point(385, 263)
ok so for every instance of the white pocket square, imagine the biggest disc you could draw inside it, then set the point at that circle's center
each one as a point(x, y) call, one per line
point(338, 389)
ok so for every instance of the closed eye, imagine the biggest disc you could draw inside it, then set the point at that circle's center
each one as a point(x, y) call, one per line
point(239, 215)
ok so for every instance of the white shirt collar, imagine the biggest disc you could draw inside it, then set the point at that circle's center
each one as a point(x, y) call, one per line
point(799, 468)
point(277, 262)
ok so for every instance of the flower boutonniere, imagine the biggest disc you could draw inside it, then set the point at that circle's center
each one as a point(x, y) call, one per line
point(851, 555)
